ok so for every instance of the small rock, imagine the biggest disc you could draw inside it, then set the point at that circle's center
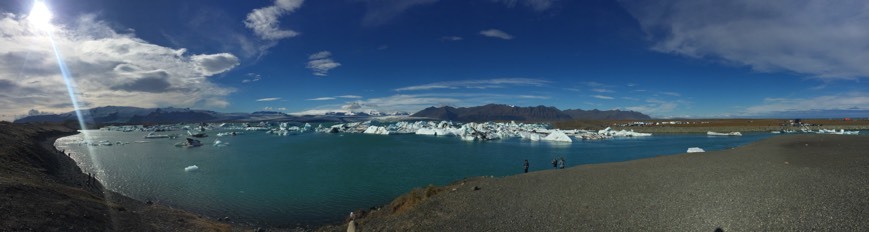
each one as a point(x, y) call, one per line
point(786, 163)
point(226, 218)
point(476, 188)
point(149, 202)
point(258, 229)
point(454, 189)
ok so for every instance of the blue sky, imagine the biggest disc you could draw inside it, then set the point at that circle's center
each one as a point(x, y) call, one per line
point(671, 58)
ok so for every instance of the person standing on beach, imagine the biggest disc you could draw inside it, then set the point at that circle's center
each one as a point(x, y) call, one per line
point(561, 163)
point(554, 163)
point(526, 166)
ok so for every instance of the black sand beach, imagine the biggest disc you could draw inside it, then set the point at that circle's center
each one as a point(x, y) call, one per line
point(786, 183)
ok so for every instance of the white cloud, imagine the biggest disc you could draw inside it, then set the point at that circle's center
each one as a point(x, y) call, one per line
point(603, 97)
point(252, 77)
point(215, 63)
point(477, 84)
point(401, 102)
point(812, 37)
point(350, 96)
point(495, 33)
point(108, 68)
point(415, 102)
point(675, 94)
point(379, 12)
point(595, 84)
point(537, 5)
point(407, 102)
point(451, 38)
point(321, 63)
point(269, 108)
point(268, 99)
point(265, 21)
point(601, 90)
point(533, 97)
point(655, 107)
point(320, 55)
point(849, 101)
point(335, 97)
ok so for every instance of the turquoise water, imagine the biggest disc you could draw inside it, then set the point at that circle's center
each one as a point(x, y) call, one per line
point(313, 179)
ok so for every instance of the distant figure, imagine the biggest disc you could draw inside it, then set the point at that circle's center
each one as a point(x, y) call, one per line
point(526, 166)
point(554, 163)
point(561, 163)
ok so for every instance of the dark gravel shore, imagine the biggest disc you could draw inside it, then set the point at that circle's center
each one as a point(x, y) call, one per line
point(786, 183)
point(42, 189)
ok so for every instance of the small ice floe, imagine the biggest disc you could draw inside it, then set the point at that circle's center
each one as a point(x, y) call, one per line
point(191, 168)
point(712, 133)
point(695, 150)
point(218, 143)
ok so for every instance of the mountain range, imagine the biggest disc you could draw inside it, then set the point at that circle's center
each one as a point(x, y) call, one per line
point(498, 112)
point(491, 112)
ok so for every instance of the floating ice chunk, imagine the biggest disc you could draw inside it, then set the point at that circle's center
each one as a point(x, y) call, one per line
point(695, 150)
point(191, 168)
point(218, 143)
point(426, 131)
point(557, 136)
point(378, 130)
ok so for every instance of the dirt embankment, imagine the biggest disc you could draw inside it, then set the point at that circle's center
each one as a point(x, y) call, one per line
point(42, 189)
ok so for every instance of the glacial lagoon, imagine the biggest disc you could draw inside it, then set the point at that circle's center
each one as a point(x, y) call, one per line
point(317, 178)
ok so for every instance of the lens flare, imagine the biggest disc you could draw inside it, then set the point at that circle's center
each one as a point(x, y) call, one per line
point(40, 17)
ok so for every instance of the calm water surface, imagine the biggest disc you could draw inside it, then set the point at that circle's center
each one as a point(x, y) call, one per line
point(313, 179)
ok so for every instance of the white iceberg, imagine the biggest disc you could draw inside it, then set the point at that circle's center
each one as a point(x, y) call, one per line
point(695, 150)
point(377, 130)
point(426, 131)
point(191, 168)
point(557, 136)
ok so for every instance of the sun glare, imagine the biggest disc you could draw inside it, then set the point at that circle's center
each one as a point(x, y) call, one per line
point(40, 16)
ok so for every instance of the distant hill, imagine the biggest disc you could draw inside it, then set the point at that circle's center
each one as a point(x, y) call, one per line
point(493, 112)
point(135, 115)
point(497, 112)
point(606, 115)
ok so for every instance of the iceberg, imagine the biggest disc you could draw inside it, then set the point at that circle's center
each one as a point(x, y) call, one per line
point(712, 133)
point(426, 131)
point(191, 168)
point(695, 150)
point(557, 136)
point(218, 143)
point(377, 130)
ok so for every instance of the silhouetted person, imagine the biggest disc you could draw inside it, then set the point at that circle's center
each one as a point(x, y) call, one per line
point(554, 163)
point(526, 166)
point(561, 163)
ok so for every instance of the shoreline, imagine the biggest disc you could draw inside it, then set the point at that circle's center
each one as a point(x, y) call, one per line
point(461, 186)
point(48, 191)
point(787, 182)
